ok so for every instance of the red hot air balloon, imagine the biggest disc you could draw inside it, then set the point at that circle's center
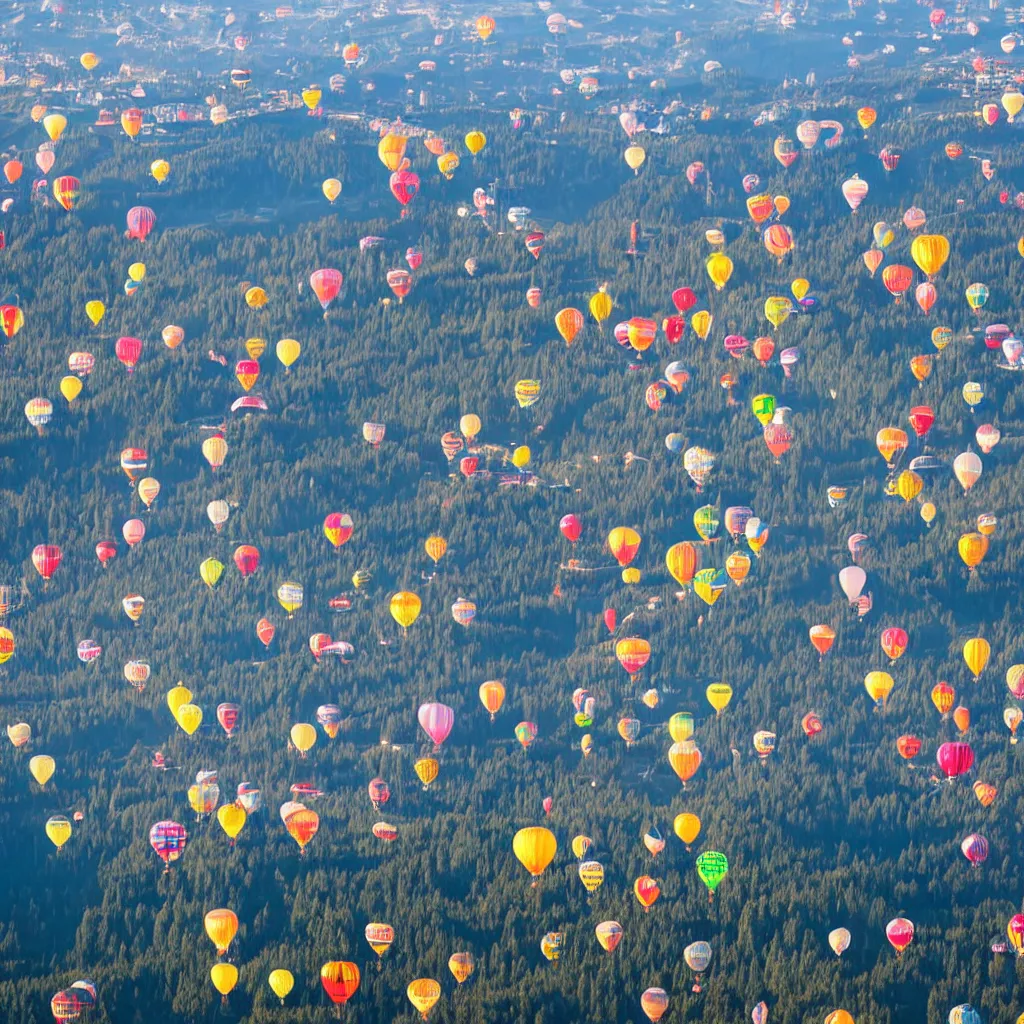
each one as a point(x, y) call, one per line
point(894, 642)
point(571, 528)
point(380, 793)
point(811, 724)
point(900, 933)
point(227, 715)
point(955, 759)
point(908, 747)
point(468, 464)
point(921, 419)
point(340, 980)
point(247, 559)
point(610, 619)
point(890, 158)
point(106, 550)
point(338, 527)
point(534, 242)
point(265, 631)
point(684, 299)
point(46, 558)
point(326, 283)
point(140, 220)
point(674, 326)
point(414, 257)
point(404, 187)
point(128, 351)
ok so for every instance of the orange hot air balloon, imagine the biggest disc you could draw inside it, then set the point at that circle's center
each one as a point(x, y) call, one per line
point(685, 758)
point(569, 322)
point(484, 26)
point(12, 170)
point(624, 544)
point(823, 637)
point(633, 653)
point(962, 719)
point(302, 825)
point(131, 122)
point(890, 441)
point(897, 278)
point(492, 696)
point(873, 259)
point(760, 208)
point(221, 926)
point(683, 561)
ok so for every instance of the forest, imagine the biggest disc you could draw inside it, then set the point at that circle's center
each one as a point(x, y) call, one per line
point(833, 830)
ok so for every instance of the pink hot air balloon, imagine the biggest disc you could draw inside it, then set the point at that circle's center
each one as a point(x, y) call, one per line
point(437, 721)
point(852, 580)
point(855, 191)
point(133, 530)
point(900, 933)
point(571, 528)
point(326, 283)
point(140, 221)
point(547, 804)
point(975, 849)
point(45, 160)
point(954, 759)
point(1015, 930)
point(855, 544)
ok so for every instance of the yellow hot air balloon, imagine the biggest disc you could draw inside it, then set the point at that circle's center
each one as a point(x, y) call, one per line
point(256, 297)
point(224, 977)
point(475, 141)
point(909, 485)
point(972, 548)
point(928, 513)
point(281, 983)
point(535, 848)
point(719, 268)
point(19, 734)
point(311, 96)
point(426, 769)
point(701, 323)
point(331, 189)
point(447, 164)
point(210, 572)
point(94, 310)
point(682, 561)
point(189, 717)
point(469, 426)
point(391, 150)
point(866, 117)
point(687, 827)
point(1013, 101)
point(635, 157)
point(777, 309)
point(89, 61)
point(221, 926)
point(680, 726)
point(879, 685)
point(177, 697)
point(436, 547)
point(255, 347)
point(800, 287)
point(303, 736)
point(42, 767)
point(70, 387)
point(976, 653)
point(719, 695)
point(930, 253)
point(423, 993)
point(54, 125)
point(405, 608)
point(58, 830)
point(137, 272)
point(600, 306)
point(231, 818)
point(160, 169)
point(288, 350)
point(521, 456)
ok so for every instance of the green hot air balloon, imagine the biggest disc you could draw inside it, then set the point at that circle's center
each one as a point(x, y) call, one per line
point(706, 522)
point(712, 867)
